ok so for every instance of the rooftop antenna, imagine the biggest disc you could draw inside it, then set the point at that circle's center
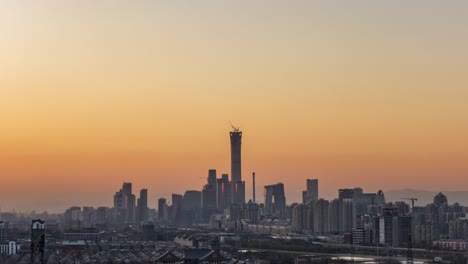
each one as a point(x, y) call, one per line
point(236, 129)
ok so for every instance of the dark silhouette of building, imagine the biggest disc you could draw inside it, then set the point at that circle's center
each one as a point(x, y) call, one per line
point(275, 200)
point(311, 193)
point(191, 207)
point(2, 232)
point(223, 192)
point(162, 209)
point(124, 204)
point(209, 199)
point(142, 206)
point(176, 209)
point(237, 185)
point(37, 241)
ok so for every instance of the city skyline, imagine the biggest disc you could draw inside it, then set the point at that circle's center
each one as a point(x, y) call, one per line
point(361, 94)
point(233, 132)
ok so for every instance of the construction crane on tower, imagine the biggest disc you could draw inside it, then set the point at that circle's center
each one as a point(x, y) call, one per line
point(236, 129)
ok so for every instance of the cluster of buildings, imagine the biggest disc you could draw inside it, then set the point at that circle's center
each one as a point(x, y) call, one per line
point(217, 195)
point(7, 247)
point(354, 217)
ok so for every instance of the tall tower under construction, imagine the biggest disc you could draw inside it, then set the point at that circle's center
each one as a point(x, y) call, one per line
point(237, 185)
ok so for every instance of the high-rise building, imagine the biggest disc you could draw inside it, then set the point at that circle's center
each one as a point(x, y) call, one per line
point(143, 206)
point(311, 193)
point(237, 185)
point(253, 188)
point(386, 225)
point(127, 188)
point(320, 215)
point(37, 241)
point(2, 232)
point(223, 192)
point(212, 177)
point(209, 202)
point(191, 207)
point(130, 201)
point(297, 219)
point(236, 141)
point(162, 209)
point(176, 209)
point(275, 200)
point(124, 204)
point(336, 216)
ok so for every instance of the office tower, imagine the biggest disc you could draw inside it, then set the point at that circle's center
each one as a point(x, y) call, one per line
point(119, 207)
point(143, 206)
point(237, 185)
point(37, 241)
point(320, 215)
point(209, 202)
point(223, 192)
point(236, 141)
point(124, 204)
point(238, 189)
point(212, 177)
point(386, 225)
point(275, 200)
point(191, 207)
point(253, 188)
point(162, 209)
point(209, 199)
point(176, 209)
point(311, 193)
point(127, 188)
point(192, 200)
point(130, 201)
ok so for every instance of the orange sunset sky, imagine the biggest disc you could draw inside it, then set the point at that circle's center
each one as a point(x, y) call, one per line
point(354, 93)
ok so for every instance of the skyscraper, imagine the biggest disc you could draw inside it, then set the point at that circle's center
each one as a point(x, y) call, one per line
point(275, 200)
point(236, 141)
point(142, 206)
point(311, 193)
point(237, 185)
point(223, 192)
point(162, 209)
point(209, 199)
point(212, 177)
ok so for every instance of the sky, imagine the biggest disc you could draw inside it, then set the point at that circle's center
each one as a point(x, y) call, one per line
point(354, 93)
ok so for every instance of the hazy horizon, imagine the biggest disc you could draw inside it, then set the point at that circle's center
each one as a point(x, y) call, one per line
point(361, 93)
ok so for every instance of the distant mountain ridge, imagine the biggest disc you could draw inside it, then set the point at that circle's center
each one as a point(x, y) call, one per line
point(426, 197)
